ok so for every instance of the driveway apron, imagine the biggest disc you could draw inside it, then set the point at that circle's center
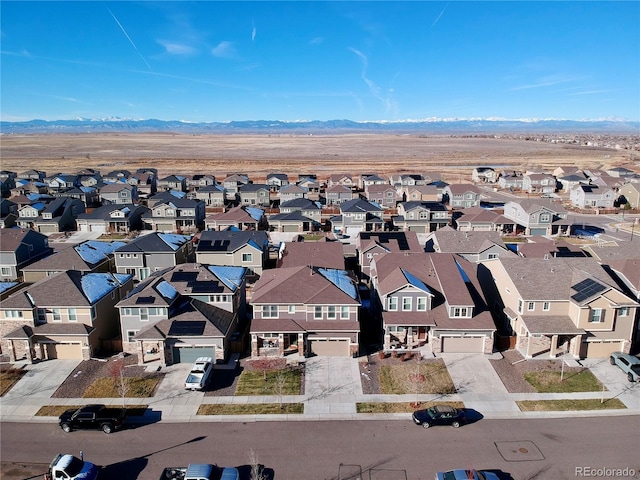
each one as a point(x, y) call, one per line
point(41, 380)
point(331, 385)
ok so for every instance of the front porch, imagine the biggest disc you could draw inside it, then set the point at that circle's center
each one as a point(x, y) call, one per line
point(549, 336)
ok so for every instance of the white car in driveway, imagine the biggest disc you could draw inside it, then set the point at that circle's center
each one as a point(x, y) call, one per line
point(629, 364)
point(200, 374)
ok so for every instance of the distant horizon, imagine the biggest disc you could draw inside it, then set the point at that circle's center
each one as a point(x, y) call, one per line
point(367, 61)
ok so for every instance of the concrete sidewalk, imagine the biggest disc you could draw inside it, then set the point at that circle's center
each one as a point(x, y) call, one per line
point(332, 389)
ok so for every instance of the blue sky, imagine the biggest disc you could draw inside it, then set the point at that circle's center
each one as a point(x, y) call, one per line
point(298, 60)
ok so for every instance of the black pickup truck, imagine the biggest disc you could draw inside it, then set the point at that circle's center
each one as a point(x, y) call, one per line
point(92, 417)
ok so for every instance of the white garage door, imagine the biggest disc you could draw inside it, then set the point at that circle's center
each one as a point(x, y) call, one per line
point(462, 344)
point(602, 349)
point(330, 347)
point(83, 227)
point(71, 351)
point(100, 228)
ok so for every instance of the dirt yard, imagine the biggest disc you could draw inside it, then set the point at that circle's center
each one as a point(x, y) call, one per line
point(259, 155)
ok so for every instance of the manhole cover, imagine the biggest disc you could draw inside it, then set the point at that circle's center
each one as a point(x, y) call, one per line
point(519, 451)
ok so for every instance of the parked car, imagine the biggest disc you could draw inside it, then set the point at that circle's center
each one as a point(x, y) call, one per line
point(200, 471)
point(94, 417)
point(466, 475)
point(628, 364)
point(72, 468)
point(439, 415)
point(199, 374)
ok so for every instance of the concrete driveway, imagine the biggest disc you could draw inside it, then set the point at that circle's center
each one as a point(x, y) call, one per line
point(615, 380)
point(41, 380)
point(472, 372)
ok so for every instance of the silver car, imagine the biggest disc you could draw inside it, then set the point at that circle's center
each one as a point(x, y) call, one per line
point(628, 364)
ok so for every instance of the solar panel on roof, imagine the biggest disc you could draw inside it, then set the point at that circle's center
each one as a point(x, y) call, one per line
point(188, 327)
point(586, 289)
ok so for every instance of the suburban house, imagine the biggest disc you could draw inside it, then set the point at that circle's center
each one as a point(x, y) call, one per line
point(54, 216)
point(461, 195)
point(472, 246)
point(306, 207)
point(371, 245)
point(177, 215)
point(484, 175)
point(32, 174)
point(187, 312)
point(165, 196)
point(337, 194)
point(366, 180)
point(242, 218)
point(112, 218)
point(478, 219)
point(200, 180)
point(511, 181)
point(421, 217)
point(61, 181)
point(233, 183)
point(431, 299)
point(383, 195)
point(152, 252)
point(569, 182)
point(590, 196)
point(145, 182)
point(312, 186)
point(89, 196)
point(276, 181)
point(254, 194)
point(68, 315)
point(407, 180)
point(358, 215)
point(8, 213)
point(116, 176)
point(560, 305)
point(293, 221)
point(538, 216)
point(539, 183)
point(316, 254)
point(85, 257)
point(305, 310)
point(119, 193)
point(542, 247)
point(248, 249)
point(421, 193)
point(18, 248)
point(630, 193)
point(291, 192)
point(619, 172)
point(211, 195)
point(173, 182)
point(25, 187)
point(341, 179)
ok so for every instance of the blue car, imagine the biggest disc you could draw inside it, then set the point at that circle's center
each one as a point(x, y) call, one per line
point(466, 475)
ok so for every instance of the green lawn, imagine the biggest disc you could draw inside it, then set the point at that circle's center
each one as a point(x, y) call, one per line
point(250, 409)
point(400, 407)
point(418, 378)
point(278, 382)
point(549, 381)
point(8, 378)
point(563, 405)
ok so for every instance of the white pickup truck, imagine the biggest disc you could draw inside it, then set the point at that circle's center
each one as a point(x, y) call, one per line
point(69, 467)
point(200, 471)
point(199, 374)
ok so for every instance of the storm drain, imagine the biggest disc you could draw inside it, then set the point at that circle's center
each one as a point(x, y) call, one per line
point(519, 451)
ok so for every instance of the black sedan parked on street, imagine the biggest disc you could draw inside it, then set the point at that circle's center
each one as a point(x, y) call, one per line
point(439, 415)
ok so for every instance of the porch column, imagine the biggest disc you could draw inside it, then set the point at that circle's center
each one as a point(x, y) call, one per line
point(554, 346)
point(301, 344)
point(528, 346)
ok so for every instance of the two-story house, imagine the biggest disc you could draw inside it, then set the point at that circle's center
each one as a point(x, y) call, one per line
point(212, 195)
point(337, 194)
point(291, 191)
point(177, 215)
point(629, 194)
point(421, 193)
point(18, 248)
point(461, 195)
point(539, 183)
point(591, 196)
point(254, 195)
point(112, 218)
point(276, 181)
point(149, 253)
point(560, 305)
point(305, 207)
point(434, 300)
point(358, 215)
point(118, 193)
point(472, 246)
point(384, 195)
point(421, 217)
point(341, 179)
point(484, 175)
point(305, 310)
point(173, 182)
point(241, 217)
point(371, 245)
point(68, 315)
point(537, 216)
point(248, 249)
point(233, 183)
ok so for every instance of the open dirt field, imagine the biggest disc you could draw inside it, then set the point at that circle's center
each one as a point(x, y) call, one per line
point(258, 155)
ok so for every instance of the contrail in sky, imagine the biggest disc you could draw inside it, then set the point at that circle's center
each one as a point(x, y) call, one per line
point(129, 38)
point(441, 13)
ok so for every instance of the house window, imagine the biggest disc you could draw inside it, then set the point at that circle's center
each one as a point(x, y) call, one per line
point(144, 314)
point(531, 306)
point(623, 312)
point(422, 304)
point(344, 312)
point(291, 309)
point(331, 312)
point(491, 256)
point(546, 306)
point(317, 312)
point(126, 311)
point(73, 316)
point(392, 304)
point(6, 271)
point(42, 315)
point(596, 315)
point(247, 257)
point(406, 303)
point(57, 317)
point(520, 305)
point(460, 311)
point(13, 314)
point(270, 311)
point(544, 217)
point(130, 335)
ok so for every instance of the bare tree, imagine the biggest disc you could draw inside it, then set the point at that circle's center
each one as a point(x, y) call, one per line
point(257, 470)
point(120, 384)
point(280, 385)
